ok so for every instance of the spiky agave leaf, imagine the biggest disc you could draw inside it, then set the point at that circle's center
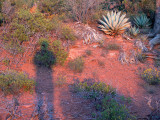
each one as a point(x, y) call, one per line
point(114, 23)
point(134, 31)
point(142, 21)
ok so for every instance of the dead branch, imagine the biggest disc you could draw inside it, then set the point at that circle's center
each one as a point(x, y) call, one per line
point(149, 103)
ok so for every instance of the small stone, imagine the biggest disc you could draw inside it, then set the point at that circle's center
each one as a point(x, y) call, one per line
point(95, 46)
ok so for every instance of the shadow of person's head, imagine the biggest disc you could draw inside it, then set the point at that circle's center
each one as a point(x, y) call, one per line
point(44, 57)
point(43, 60)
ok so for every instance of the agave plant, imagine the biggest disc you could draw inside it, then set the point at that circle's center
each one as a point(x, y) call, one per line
point(142, 21)
point(114, 23)
point(133, 31)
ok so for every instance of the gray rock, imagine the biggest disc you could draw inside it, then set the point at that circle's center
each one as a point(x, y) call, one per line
point(154, 41)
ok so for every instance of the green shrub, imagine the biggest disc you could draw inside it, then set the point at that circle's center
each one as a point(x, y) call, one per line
point(59, 52)
point(77, 64)
point(22, 3)
point(157, 63)
point(151, 76)
point(51, 6)
point(57, 22)
point(1, 19)
point(105, 101)
point(101, 63)
point(38, 23)
point(68, 33)
point(141, 57)
point(14, 48)
point(112, 46)
point(88, 52)
point(111, 110)
point(12, 82)
point(26, 24)
point(41, 40)
point(44, 57)
point(61, 80)
point(6, 61)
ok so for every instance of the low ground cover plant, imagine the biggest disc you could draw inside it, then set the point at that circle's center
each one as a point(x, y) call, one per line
point(67, 33)
point(151, 76)
point(104, 98)
point(12, 82)
point(77, 64)
point(113, 46)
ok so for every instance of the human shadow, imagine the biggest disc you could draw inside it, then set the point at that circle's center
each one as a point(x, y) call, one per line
point(43, 60)
point(44, 90)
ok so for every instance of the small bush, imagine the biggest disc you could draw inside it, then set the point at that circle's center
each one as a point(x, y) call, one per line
point(151, 76)
point(141, 57)
point(6, 61)
point(88, 52)
point(60, 53)
point(111, 110)
point(68, 33)
point(108, 107)
point(112, 46)
point(44, 57)
point(77, 64)
point(61, 80)
point(157, 63)
point(101, 63)
point(12, 82)
point(26, 24)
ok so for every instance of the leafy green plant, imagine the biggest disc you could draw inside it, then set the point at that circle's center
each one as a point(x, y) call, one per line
point(114, 23)
point(12, 82)
point(151, 76)
point(60, 53)
point(77, 64)
point(142, 21)
point(68, 33)
point(107, 106)
point(44, 57)
point(133, 31)
point(112, 110)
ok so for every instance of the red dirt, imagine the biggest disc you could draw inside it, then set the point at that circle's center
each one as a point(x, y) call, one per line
point(124, 78)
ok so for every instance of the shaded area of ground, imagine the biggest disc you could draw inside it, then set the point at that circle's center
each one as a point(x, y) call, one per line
point(44, 91)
